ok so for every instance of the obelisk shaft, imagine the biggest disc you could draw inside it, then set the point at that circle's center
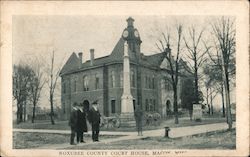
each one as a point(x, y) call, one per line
point(127, 99)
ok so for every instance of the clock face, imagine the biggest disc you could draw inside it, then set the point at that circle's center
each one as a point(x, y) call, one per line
point(125, 34)
point(136, 33)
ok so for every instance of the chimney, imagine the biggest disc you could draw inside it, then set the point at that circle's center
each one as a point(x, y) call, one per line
point(80, 58)
point(92, 57)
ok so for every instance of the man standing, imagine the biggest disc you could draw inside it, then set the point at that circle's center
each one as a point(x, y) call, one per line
point(73, 123)
point(138, 119)
point(81, 123)
point(95, 118)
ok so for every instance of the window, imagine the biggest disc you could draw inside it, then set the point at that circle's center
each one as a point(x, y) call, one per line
point(150, 83)
point(64, 87)
point(132, 78)
point(85, 83)
point(121, 79)
point(168, 85)
point(112, 79)
point(154, 105)
point(153, 82)
point(151, 105)
point(74, 85)
point(112, 106)
point(162, 83)
point(147, 107)
point(64, 111)
point(97, 82)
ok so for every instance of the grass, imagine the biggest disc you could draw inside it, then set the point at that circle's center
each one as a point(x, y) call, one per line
point(34, 140)
point(214, 140)
point(63, 125)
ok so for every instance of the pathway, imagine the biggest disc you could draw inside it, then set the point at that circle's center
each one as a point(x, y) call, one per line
point(174, 133)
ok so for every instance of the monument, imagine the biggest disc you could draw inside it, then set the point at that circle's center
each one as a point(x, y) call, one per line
point(197, 112)
point(127, 109)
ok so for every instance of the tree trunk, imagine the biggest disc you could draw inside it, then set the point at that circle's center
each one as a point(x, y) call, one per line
point(24, 111)
point(18, 114)
point(191, 112)
point(211, 102)
point(52, 110)
point(229, 115)
point(34, 111)
point(227, 94)
point(196, 89)
point(21, 113)
point(223, 104)
point(175, 106)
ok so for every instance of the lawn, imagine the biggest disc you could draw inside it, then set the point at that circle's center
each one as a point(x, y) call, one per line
point(214, 140)
point(63, 125)
point(34, 140)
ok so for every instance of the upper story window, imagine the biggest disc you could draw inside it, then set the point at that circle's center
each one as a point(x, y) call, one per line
point(74, 85)
point(132, 78)
point(85, 83)
point(97, 81)
point(121, 79)
point(167, 84)
point(113, 79)
point(153, 82)
point(64, 87)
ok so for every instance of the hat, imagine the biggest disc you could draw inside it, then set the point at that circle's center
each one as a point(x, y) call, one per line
point(74, 104)
point(95, 102)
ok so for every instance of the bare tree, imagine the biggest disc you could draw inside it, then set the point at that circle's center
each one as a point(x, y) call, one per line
point(173, 62)
point(224, 33)
point(196, 53)
point(52, 82)
point(22, 76)
point(37, 84)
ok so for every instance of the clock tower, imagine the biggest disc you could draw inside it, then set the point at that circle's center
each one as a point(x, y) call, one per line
point(132, 36)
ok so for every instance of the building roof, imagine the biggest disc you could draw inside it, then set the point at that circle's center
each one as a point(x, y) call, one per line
point(72, 63)
point(116, 56)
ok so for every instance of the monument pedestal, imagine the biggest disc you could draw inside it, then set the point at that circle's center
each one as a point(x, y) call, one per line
point(127, 116)
point(127, 120)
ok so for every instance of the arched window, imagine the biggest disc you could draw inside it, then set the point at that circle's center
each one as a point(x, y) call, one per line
point(64, 87)
point(97, 81)
point(121, 79)
point(147, 105)
point(153, 82)
point(113, 106)
point(113, 79)
point(85, 83)
point(132, 78)
point(74, 85)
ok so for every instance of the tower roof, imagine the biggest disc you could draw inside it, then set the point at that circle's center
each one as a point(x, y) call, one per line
point(130, 22)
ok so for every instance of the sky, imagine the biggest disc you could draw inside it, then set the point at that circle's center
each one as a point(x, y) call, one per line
point(37, 36)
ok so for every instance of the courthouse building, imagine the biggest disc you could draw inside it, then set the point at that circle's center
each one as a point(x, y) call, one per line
point(102, 78)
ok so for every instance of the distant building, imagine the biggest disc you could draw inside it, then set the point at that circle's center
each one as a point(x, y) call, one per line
point(101, 78)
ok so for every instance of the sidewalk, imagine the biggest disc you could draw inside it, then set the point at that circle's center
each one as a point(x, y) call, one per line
point(174, 133)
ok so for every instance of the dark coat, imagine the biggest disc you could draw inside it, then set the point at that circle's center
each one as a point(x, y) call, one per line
point(73, 119)
point(138, 115)
point(81, 121)
point(94, 116)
